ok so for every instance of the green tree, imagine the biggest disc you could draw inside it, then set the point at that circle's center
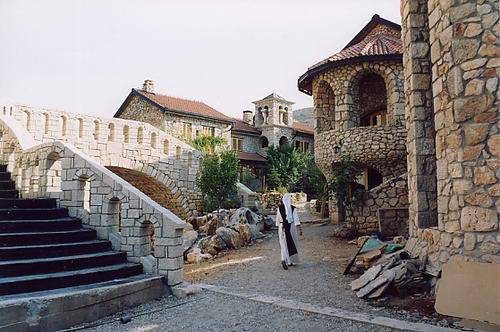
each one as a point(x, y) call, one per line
point(286, 165)
point(315, 185)
point(217, 179)
point(208, 144)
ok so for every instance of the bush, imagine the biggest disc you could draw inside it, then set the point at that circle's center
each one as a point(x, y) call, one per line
point(217, 179)
point(208, 144)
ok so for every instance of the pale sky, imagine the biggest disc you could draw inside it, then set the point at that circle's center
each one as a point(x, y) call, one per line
point(84, 56)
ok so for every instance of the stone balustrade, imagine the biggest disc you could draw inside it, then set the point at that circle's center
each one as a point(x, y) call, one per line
point(149, 233)
point(117, 142)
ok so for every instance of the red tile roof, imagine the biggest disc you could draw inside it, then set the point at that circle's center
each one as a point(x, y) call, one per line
point(190, 107)
point(303, 128)
point(239, 125)
point(380, 39)
point(251, 157)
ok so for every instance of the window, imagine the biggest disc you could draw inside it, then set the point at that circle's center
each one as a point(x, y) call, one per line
point(177, 152)
point(46, 129)
point(208, 131)
point(187, 130)
point(376, 118)
point(153, 140)
point(126, 136)
point(80, 128)
point(165, 146)
point(63, 125)
point(111, 132)
point(140, 135)
point(302, 146)
point(96, 130)
point(237, 144)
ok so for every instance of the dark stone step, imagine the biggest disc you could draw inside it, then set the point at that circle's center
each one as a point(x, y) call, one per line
point(35, 238)
point(19, 226)
point(9, 194)
point(39, 282)
point(53, 250)
point(3, 168)
point(7, 185)
point(4, 176)
point(33, 214)
point(28, 203)
point(59, 264)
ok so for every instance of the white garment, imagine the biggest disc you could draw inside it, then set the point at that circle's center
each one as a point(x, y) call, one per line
point(287, 202)
point(288, 259)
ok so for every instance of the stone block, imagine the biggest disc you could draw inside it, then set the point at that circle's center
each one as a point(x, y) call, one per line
point(478, 219)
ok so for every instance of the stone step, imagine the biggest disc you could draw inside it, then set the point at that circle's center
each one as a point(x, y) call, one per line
point(53, 250)
point(33, 214)
point(36, 203)
point(36, 238)
point(24, 267)
point(9, 194)
point(38, 282)
point(7, 185)
point(4, 176)
point(19, 226)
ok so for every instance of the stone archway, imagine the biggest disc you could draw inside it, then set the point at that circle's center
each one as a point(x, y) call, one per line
point(283, 140)
point(324, 107)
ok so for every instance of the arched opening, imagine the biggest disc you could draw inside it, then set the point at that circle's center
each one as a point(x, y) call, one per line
point(80, 127)
point(27, 120)
point(96, 130)
point(46, 123)
point(372, 100)
point(64, 125)
point(84, 184)
point(166, 146)
point(266, 115)
point(371, 178)
point(153, 140)
point(286, 116)
point(264, 142)
point(177, 152)
point(115, 215)
point(111, 132)
point(140, 135)
point(126, 134)
point(324, 107)
point(259, 117)
point(148, 241)
point(53, 175)
point(283, 140)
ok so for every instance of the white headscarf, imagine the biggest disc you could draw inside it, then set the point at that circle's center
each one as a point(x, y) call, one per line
point(287, 202)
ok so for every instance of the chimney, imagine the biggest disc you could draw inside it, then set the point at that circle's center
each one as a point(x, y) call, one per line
point(248, 117)
point(148, 86)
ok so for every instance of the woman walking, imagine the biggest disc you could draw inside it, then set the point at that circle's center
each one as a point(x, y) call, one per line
point(287, 220)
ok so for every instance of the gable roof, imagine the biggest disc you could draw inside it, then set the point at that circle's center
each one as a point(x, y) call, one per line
point(303, 128)
point(380, 39)
point(178, 105)
point(274, 96)
point(243, 127)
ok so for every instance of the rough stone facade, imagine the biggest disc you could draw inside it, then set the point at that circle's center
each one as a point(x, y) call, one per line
point(142, 110)
point(149, 233)
point(451, 60)
point(117, 142)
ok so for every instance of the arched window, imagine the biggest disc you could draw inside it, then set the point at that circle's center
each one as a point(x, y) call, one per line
point(372, 100)
point(140, 135)
point(126, 134)
point(177, 152)
point(80, 127)
point(264, 142)
point(283, 140)
point(64, 125)
point(153, 140)
point(28, 120)
point(46, 123)
point(166, 146)
point(324, 107)
point(96, 130)
point(111, 132)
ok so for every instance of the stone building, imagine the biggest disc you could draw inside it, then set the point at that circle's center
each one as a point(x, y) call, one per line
point(359, 113)
point(451, 69)
point(182, 118)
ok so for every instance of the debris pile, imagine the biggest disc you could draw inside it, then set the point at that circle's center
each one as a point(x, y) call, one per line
point(389, 270)
point(206, 236)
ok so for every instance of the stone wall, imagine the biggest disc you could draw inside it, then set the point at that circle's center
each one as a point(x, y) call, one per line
point(117, 142)
point(464, 53)
point(140, 109)
point(390, 195)
point(149, 233)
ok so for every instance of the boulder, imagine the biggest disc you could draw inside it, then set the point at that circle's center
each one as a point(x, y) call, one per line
point(268, 223)
point(245, 233)
point(211, 225)
point(230, 237)
point(244, 215)
point(195, 256)
point(256, 234)
point(212, 244)
point(188, 238)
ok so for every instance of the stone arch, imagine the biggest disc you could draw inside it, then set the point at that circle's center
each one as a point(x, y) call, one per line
point(111, 132)
point(52, 178)
point(26, 119)
point(97, 128)
point(154, 138)
point(80, 127)
point(140, 135)
point(259, 117)
point(126, 134)
point(46, 124)
point(324, 107)
point(149, 228)
point(166, 146)
point(64, 125)
point(177, 152)
point(265, 114)
point(283, 140)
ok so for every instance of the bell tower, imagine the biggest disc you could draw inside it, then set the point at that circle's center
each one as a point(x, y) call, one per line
point(273, 110)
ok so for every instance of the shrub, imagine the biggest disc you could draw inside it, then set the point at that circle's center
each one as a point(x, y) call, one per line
point(286, 165)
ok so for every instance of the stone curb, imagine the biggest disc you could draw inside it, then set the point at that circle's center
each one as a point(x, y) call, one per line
point(329, 311)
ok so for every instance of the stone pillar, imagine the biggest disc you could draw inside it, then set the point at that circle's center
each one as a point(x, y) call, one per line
point(419, 116)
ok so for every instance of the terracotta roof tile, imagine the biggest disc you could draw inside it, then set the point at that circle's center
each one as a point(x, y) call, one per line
point(187, 106)
point(251, 156)
point(303, 128)
point(239, 125)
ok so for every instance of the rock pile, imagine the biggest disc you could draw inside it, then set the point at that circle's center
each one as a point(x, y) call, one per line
point(206, 236)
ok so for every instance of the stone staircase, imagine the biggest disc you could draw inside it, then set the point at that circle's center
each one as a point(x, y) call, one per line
point(43, 248)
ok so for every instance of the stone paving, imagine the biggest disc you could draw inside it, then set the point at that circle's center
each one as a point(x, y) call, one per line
point(256, 270)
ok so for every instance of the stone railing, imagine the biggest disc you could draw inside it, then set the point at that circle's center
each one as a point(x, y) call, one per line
point(118, 142)
point(146, 231)
point(380, 147)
